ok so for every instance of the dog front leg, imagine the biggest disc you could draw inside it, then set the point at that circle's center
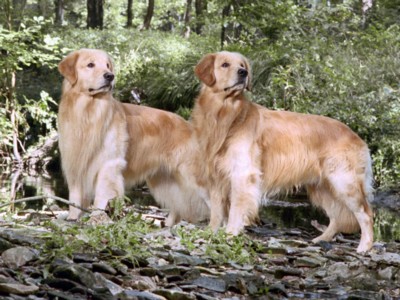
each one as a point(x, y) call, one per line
point(76, 197)
point(245, 201)
point(110, 183)
point(217, 210)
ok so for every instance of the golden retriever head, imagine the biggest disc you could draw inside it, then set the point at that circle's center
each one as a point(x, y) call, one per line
point(227, 72)
point(89, 71)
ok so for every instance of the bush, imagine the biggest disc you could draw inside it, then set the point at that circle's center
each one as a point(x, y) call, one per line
point(157, 64)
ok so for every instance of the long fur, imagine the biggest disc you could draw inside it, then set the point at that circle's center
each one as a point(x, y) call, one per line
point(106, 145)
point(251, 152)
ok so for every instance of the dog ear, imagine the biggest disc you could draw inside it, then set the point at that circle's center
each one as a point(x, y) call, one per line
point(205, 70)
point(249, 76)
point(67, 67)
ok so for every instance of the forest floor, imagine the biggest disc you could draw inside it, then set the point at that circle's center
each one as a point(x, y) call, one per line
point(39, 260)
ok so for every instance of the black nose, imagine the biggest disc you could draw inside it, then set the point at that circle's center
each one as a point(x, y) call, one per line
point(242, 72)
point(109, 76)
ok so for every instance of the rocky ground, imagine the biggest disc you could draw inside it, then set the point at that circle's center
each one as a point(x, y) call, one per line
point(183, 263)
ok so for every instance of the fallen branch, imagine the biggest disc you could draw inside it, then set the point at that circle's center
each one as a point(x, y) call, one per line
point(41, 154)
point(35, 198)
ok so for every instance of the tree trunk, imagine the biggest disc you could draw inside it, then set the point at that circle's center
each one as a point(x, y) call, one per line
point(95, 13)
point(366, 7)
point(14, 119)
point(187, 18)
point(149, 15)
point(225, 13)
point(59, 11)
point(200, 7)
point(129, 14)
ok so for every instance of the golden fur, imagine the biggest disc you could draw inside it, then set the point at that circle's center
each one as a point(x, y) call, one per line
point(251, 153)
point(106, 145)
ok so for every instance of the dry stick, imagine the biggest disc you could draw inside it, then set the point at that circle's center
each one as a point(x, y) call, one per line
point(44, 196)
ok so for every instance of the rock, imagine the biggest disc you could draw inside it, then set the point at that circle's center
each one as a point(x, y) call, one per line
point(204, 297)
point(277, 288)
point(113, 288)
point(386, 258)
point(23, 236)
point(326, 246)
point(387, 273)
point(136, 295)
point(141, 283)
point(308, 262)
point(132, 262)
point(76, 273)
point(150, 272)
point(18, 289)
point(5, 245)
point(103, 268)
point(294, 243)
point(183, 259)
point(6, 279)
point(60, 283)
point(210, 283)
point(340, 270)
point(64, 296)
point(84, 257)
point(280, 272)
point(18, 256)
point(175, 295)
point(99, 217)
point(174, 270)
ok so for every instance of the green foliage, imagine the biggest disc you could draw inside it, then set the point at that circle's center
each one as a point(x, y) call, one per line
point(124, 234)
point(29, 48)
point(159, 65)
point(221, 247)
point(330, 60)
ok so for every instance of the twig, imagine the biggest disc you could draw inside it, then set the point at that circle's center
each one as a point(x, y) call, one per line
point(46, 196)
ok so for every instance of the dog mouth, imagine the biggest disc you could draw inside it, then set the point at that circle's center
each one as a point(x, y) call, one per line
point(104, 88)
point(240, 85)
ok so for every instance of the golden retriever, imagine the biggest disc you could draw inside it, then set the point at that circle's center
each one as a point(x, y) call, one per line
point(106, 145)
point(251, 153)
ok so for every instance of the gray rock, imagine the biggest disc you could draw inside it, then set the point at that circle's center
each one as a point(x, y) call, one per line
point(340, 269)
point(60, 283)
point(142, 283)
point(280, 272)
point(76, 273)
point(23, 236)
point(204, 297)
point(113, 288)
point(18, 256)
point(187, 260)
point(386, 258)
point(136, 295)
point(308, 262)
point(387, 273)
point(5, 245)
point(18, 289)
point(103, 268)
point(210, 283)
point(175, 295)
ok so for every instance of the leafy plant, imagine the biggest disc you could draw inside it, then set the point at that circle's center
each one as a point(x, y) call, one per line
point(220, 246)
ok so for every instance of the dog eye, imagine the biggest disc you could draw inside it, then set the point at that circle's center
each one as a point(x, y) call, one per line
point(225, 65)
point(90, 65)
point(108, 66)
